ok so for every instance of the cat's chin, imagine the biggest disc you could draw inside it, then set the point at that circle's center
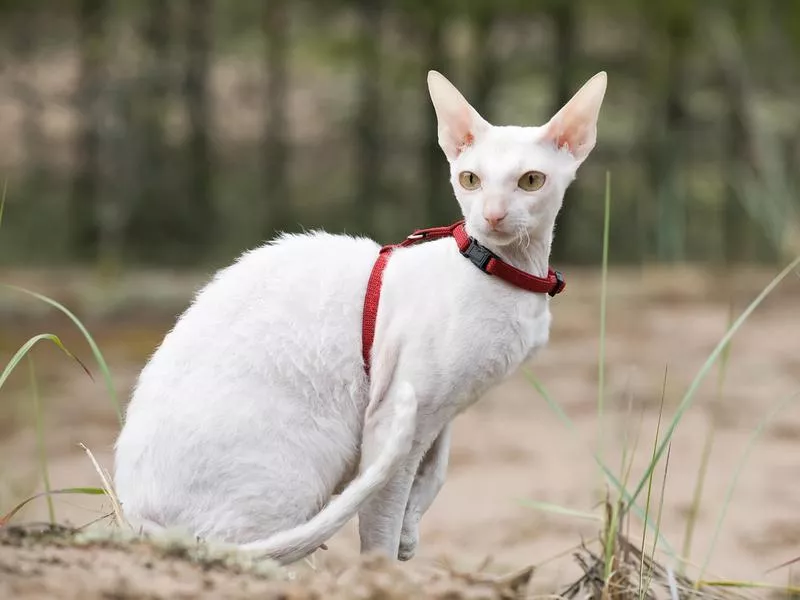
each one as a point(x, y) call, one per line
point(499, 238)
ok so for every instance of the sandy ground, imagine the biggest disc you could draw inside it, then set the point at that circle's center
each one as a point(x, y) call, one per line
point(37, 563)
point(511, 446)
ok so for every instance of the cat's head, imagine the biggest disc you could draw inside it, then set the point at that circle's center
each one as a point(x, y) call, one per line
point(510, 181)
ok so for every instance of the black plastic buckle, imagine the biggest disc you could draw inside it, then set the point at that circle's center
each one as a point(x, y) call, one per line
point(478, 254)
point(559, 284)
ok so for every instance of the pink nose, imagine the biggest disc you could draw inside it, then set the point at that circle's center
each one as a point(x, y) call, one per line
point(494, 220)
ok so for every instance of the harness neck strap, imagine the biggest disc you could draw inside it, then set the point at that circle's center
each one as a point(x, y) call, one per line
point(478, 254)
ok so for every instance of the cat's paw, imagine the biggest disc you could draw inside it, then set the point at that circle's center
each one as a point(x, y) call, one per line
point(408, 544)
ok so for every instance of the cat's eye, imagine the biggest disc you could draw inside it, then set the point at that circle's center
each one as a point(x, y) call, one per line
point(469, 181)
point(532, 181)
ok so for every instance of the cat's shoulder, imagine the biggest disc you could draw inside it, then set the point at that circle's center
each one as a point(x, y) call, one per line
point(310, 252)
point(293, 257)
point(314, 242)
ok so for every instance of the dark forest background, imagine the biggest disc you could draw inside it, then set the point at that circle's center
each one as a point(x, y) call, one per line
point(180, 132)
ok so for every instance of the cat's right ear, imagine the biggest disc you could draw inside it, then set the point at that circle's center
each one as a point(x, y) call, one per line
point(574, 127)
point(459, 123)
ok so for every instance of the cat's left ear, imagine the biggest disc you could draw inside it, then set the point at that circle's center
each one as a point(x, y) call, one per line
point(459, 123)
point(574, 127)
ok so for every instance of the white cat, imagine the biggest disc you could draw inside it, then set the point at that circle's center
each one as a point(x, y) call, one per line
point(256, 409)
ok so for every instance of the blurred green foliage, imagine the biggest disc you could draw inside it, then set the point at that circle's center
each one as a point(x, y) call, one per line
point(179, 132)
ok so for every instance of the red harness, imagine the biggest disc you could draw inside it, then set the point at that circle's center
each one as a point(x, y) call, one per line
point(483, 258)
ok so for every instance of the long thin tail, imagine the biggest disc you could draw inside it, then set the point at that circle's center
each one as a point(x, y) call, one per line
point(289, 546)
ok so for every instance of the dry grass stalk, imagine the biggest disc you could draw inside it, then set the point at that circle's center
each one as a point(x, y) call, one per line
point(634, 574)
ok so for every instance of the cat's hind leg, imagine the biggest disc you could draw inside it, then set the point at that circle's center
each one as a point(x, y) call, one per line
point(427, 483)
point(390, 431)
point(380, 519)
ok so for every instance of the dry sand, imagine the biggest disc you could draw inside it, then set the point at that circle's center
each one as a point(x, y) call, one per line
point(510, 446)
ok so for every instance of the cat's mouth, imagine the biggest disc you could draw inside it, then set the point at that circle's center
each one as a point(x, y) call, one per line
point(500, 236)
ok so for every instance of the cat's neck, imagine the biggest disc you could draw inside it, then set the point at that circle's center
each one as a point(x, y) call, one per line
point(532, 255)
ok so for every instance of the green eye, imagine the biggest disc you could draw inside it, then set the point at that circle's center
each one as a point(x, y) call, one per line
point(532, 181)
point(469, 181)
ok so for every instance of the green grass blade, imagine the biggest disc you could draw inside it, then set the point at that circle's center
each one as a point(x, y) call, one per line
point(39, 422)
point(789, 590)
point(626, 463)
point(560, 510)
point(765, 420)
point(554, 406)
point(27, 346)
point(610, 541)
point(627, 468)
point(85, 491)
point(650, 482)
point(601, 359)
point(101, 362)
point(658, 524)
point(712, 358)
point(725, 357)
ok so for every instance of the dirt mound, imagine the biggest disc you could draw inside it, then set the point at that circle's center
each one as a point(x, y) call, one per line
point(58, 562)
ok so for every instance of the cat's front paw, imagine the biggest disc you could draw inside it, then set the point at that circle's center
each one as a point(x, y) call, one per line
point(409, 539)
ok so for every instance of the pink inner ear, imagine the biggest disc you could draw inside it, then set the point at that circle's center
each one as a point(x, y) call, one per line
point(555, 134)
point(465, 143)
point(561, 140)
point(565, 133)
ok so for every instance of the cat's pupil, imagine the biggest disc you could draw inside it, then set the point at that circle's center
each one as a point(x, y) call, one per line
point(530, 179)
point(471, 178)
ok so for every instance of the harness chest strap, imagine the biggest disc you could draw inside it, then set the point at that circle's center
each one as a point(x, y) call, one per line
point(483, 258)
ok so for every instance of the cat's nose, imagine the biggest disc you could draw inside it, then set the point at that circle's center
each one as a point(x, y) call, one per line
point(494, 220)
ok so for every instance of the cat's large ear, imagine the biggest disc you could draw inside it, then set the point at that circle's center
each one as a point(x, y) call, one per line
point(459, 123)
point(575, 125)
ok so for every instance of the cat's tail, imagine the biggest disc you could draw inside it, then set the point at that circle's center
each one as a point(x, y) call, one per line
point(294, 544)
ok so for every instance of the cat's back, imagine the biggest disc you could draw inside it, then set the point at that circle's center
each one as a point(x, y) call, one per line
point(260, 379)
point(285, 315)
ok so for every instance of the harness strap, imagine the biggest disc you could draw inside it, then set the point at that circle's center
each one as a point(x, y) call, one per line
point(483, 258)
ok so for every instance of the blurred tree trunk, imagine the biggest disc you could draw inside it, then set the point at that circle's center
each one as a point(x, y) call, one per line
point(667, 135)
point(25, 27)
point(744, 239)
point(673, 242)
point(84, 196)
point(275, 27)
point(199, 187)
point(152, 230)
point(439, 202)
point(369, 155)
point(735, 221)
point(485, 67)
point(564, 18)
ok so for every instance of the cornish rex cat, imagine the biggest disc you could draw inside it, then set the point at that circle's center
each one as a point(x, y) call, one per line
point(257, 410)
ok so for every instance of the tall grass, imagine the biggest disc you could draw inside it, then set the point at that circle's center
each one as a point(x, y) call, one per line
point(601, 361)
point(663, 443)
point(25, 352)
point(40, 439)
point(650, 487)
point(98, 355)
